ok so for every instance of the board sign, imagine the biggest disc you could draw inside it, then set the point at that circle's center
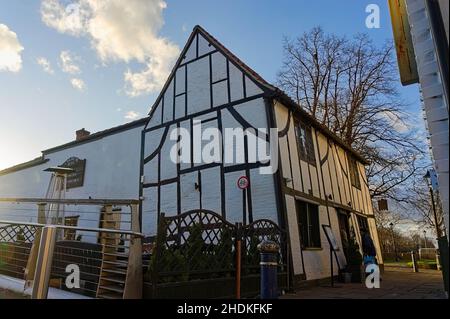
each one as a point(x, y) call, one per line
point(75, 178)
point(243, 182)
point(383, 205)
point(330, 237)
point(403, 42)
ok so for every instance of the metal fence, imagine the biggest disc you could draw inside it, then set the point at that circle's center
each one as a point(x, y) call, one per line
point(107, 257)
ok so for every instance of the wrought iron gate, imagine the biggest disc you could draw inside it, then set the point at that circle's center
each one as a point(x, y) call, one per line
point(195, 256)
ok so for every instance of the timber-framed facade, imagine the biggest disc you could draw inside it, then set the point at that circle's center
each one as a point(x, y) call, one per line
point(319, 180)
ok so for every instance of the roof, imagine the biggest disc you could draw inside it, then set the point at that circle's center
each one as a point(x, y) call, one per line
point(98, 135)
point(274, 91)
point(35, 162)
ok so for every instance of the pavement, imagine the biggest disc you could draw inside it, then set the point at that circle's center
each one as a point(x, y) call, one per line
point(396, 283)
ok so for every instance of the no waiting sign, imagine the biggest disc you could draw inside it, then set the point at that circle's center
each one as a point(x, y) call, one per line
point(243, 182)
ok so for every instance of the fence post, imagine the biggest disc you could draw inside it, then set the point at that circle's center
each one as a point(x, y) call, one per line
point(414, 261)
point(269, 263)
point(238, 259)
point(44, 263)
point(134, 280)
point(157, 250)
point(31, 263)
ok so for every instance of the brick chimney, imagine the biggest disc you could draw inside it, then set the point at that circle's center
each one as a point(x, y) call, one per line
point(82, 134)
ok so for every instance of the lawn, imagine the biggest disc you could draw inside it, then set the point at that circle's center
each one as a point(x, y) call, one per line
point(425, 263)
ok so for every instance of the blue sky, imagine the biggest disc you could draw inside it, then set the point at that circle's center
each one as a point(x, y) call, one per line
point(86, 84)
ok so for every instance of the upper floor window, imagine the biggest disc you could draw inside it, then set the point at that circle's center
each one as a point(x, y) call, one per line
point(354, 172)
point(305, 142)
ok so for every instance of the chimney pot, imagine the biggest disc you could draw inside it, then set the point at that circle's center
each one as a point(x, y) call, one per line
point(82, 134)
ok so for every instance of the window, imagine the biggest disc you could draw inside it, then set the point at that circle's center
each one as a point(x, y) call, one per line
point(305, 142)
point(354, 172)
point(308, 224)
point(363, 224)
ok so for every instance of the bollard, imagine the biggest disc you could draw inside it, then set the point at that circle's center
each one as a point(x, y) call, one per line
point(414, 262)
point(269, 263)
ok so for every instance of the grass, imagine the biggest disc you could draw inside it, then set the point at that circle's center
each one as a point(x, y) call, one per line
point(425, 263)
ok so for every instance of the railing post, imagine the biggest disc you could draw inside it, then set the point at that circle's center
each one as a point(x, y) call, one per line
point(414, 261)
point(44, 262)
point(31, 263)
point(269, 263)
point(134, 279)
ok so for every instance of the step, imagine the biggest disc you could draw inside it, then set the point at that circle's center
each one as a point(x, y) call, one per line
point(113, 236)
point(113, 279)
point(125, 255)
point(114, 271)
point(116, 263)
point(112, 288)
point(116, 246)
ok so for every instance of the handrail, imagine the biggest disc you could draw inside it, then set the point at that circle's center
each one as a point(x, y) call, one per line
point(100, 230)
point(75, 201)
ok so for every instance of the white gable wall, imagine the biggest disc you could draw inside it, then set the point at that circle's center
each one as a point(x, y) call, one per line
point(112, 172)
point(210, 88)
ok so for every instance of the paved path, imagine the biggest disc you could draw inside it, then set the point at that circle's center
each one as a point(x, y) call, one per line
point(397, 283)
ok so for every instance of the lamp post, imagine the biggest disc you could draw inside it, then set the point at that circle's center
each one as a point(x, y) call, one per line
point(430, 178)
point(393, 241)
point(424, 238)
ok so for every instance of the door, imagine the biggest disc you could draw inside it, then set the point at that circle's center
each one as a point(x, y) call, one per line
point(344, 230)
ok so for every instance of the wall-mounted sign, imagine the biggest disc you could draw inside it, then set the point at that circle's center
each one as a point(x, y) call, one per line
point(243, 182)
point(75, 178)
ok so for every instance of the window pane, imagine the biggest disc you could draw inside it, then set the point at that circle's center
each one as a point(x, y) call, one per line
point(315, 225)
point(354, 172)
point(305, 143)
point(302, 222)
point(310, 147)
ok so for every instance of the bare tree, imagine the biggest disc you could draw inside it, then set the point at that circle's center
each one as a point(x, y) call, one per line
point(420, 207)
point(349, 85)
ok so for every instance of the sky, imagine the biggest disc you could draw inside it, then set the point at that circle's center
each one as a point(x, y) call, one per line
point(95, 64)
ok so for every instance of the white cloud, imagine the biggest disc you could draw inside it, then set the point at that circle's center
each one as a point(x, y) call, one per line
point(78, 84)
point(132, 115)
point(10, 50)
point(45, 64)
point(120, 31)
point(68, 62)
point(70, 19)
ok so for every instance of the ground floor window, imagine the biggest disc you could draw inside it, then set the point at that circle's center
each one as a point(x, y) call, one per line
point(363, 224)
point(308, 224)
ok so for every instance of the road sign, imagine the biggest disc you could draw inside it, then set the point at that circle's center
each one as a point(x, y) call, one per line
point(243, 182)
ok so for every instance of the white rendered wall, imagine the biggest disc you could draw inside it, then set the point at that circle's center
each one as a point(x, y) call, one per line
point(112, 172)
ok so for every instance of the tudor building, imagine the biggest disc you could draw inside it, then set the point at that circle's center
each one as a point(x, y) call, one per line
point(318, 179)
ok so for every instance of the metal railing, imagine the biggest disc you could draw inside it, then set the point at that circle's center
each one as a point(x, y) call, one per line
point(107, 259)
